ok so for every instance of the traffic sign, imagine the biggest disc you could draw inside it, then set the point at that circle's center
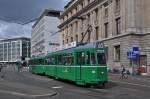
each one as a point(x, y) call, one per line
point(133, 53)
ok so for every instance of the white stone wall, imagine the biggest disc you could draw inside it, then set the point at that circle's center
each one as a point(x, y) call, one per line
point(42, 32)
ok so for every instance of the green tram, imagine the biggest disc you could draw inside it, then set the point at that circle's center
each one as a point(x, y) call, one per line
point(84, 64)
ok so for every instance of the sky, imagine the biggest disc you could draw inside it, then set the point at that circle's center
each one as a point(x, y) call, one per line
point(13, 13)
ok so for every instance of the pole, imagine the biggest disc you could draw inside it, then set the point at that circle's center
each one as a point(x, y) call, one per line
point(132, 62)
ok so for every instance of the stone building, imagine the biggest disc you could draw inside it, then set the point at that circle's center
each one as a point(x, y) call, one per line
point(120, 24)
point(45, 36)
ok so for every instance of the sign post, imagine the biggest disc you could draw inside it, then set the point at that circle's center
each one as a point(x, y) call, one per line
point(133, 54)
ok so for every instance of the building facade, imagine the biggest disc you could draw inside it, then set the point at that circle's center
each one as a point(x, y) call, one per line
point(13, 50)
point(120, 24)
point(45, 36)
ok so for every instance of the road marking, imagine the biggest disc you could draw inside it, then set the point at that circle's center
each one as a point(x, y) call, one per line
point(57, 87)
point(130, 83)
point(131, 89)
point(26, 95)
point(103, 90)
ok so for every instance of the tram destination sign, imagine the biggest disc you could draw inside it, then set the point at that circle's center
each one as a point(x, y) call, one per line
point(100, 45)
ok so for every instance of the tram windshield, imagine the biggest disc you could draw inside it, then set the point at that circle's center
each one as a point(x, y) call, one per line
point(101, 58)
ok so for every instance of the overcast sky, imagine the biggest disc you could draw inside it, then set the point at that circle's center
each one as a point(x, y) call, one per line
point(22, 11)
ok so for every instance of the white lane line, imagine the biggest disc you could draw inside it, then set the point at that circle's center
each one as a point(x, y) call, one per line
point(57, 87)
point(130, 89)
point(130, 83)
point(25, 95)
point(14, 93)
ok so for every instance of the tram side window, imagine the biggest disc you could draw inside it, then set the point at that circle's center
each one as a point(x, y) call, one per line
point(88, 57)
point(80, 58)
point(36, 62)
point(59, 60)
point(51, 60)
point(41, 62)
point(93, 59)
point(101, 58)
point(30, 62)
point(67, 59)
point(46, 61)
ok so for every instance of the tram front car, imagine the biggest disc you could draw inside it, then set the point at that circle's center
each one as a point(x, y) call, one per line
point(92, 59)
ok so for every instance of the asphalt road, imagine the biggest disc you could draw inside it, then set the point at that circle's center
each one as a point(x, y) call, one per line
point(24, 85)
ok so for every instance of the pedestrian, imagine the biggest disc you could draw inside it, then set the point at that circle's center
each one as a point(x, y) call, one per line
point(2, 74)
point(1, 67)
point(123, 71)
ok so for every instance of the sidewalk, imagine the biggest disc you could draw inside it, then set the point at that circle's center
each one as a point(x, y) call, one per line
point(133, 80)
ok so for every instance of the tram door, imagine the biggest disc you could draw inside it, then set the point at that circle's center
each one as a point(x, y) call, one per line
point(80, 61)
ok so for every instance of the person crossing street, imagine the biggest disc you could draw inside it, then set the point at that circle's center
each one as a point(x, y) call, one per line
point(123, 72)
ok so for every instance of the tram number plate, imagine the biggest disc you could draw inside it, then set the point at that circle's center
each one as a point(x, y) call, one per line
point(100, 45)
point(100, 51)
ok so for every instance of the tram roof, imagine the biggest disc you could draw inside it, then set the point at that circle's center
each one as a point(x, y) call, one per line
point(70, 50)
point(86, 45)
point(39, 57)
point(79, 46)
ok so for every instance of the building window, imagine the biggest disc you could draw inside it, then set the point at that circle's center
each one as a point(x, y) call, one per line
point(97, 32)
point(82, 24)
point(67, 31)
point(76, 26)
point(71, 39)
point(106, 12)
point(82, 35)
point(117, 5)
point(118, 26)
point(67, 41)
point(76, 38)
point(71, 13)
point(63, 36)
point(88, 18)
point(88, 1)
point(71, 29)
point(106, 29)
point(63, 42)
point(82, 5)
point(117, 53)
point(96, 14)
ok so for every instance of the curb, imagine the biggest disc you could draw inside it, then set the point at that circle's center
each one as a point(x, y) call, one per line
point(28, 95)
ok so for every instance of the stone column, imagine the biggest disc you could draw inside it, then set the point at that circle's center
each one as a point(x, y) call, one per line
point(130, 16)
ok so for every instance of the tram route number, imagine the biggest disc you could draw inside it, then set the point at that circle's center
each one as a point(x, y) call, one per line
point(100, 45)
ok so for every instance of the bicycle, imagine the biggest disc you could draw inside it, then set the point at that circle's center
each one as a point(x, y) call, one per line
point(124, 75)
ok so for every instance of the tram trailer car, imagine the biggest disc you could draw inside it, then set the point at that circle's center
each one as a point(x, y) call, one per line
point(83, 65)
